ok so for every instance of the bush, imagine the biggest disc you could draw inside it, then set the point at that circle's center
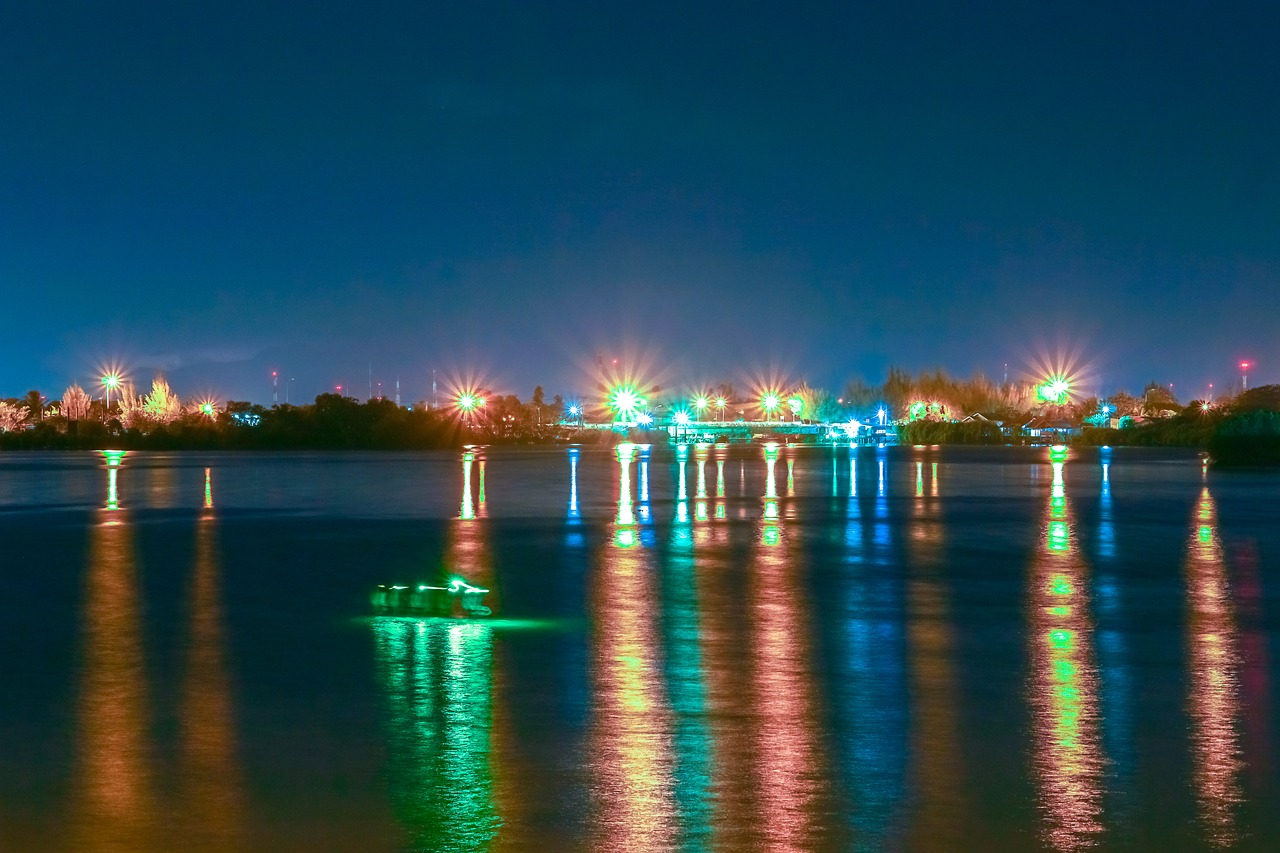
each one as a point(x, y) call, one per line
point(941, 432)
point(1247, 438)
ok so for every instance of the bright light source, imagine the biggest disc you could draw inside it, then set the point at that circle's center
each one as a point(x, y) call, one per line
point(575, 411)
point(468, 402)
point(625, 401)
point(700, 403)
point(1055, 390)
point(111, 381)
point(770, 402)
point(682, 418)
point(644, 418)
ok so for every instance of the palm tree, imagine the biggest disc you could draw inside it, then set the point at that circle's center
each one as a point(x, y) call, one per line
point(35, 405)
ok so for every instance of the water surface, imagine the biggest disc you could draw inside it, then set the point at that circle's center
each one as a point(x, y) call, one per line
point(807, 648)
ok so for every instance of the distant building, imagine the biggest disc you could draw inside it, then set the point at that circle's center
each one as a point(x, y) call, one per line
point(1047, 430)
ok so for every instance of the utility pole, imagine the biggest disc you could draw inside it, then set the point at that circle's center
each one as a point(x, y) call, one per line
point(397, 392)
point(275, 389)
point(435, 401)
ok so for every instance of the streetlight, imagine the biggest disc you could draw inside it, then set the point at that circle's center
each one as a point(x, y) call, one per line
point(721, 402)
point(467, 403)
point(700, 403)
point(286, 390)
point(1244, 371)
point(625, 402)
point(770, 402)
point(1055, 390)
point(110, 382)
point(682, 420)
point(575, 412)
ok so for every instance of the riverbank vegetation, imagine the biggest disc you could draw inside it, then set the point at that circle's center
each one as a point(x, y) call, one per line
point(331, 422)
point(928, 408)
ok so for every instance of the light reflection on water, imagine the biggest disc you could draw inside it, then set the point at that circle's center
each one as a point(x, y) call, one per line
point(467, 552)
point(1067, 754)
point(937, 768)
point(784, 669)
point(685, 674)
point(121, 803)
point(211, 779)
point(117, 808)
point(435, 679)
point(630, 743)
point(869, 686)
point(1114, 664)
point(1214, 663)
point(790, 768)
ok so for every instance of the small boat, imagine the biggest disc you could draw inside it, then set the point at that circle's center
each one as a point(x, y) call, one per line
point(456, 598)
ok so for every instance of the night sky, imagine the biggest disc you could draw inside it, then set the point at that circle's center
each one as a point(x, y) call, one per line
point(722, 191)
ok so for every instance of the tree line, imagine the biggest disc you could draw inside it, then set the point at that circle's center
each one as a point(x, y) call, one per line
point(161, 421)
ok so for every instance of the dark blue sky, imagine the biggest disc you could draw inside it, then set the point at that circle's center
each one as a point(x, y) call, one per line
point(728, 190)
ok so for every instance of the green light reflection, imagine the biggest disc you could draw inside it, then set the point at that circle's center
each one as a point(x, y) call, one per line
point(436, 683)
point(467, 511)
point(113, 459)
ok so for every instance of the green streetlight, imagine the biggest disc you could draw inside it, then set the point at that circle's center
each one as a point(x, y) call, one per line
point(1056, 390)
point(625, 402)
point(770, 402)
point(110, 382)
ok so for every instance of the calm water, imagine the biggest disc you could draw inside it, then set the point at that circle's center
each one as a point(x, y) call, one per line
point(904, 649)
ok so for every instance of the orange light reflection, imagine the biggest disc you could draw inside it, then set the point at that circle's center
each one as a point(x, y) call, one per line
point(1214, 694)
point(116, 807)
point(210, 773)
point(789, 764)
point(631, 730)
